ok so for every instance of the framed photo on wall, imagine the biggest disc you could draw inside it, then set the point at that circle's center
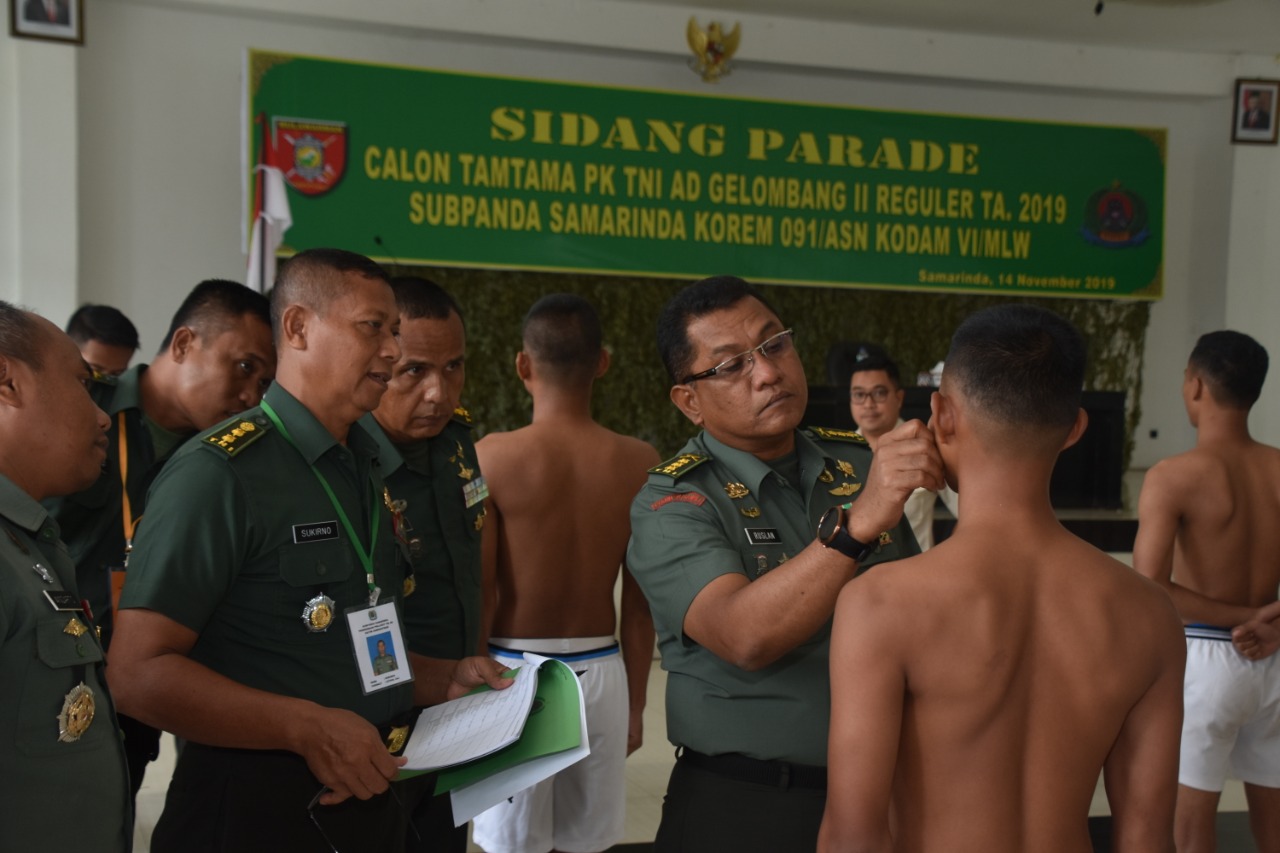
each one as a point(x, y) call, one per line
point(1255, 111)
point(55, 20)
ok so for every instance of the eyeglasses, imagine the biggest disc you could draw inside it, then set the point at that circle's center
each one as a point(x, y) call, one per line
point(740, 365)
point(878, 393)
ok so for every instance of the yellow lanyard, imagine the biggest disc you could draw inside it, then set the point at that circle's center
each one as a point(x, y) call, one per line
point(126, 517)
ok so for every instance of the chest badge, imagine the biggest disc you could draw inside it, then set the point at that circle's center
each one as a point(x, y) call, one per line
point(42, 572)
point(845, 489)
point(77, 713)
point(317, 613)
point(736, 490)
point(846, 468)
point(826, 476)
point(750, 511)
point(75, 628)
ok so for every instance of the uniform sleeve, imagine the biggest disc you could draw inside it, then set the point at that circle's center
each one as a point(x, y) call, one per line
point(191, 540)
point(678, 546)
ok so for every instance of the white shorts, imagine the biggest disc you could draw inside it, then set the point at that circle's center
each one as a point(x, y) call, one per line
point(582, 808)
point(1231, 722)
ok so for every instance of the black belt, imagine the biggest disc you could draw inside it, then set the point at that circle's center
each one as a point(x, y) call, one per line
point(777, 774)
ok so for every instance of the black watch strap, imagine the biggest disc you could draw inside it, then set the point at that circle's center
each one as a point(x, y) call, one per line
point(847, 545)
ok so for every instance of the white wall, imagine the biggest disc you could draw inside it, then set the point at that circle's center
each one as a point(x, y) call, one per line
point(154, 110)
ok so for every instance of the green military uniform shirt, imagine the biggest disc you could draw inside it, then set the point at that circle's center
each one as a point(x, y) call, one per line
point(714, 510)
point(57, 794)
point(91, 520)
point(240, 536)
point(431, 482)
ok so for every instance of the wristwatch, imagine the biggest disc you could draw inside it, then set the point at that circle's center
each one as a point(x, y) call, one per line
point(832, 534)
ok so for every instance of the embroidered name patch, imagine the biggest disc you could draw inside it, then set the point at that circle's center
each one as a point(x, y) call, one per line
point(681, 497)
point(762, 535)
point(317, 532)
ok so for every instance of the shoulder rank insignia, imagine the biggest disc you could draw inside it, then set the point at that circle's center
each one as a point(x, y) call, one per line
point(237, 437)
point(837, 435)
point(462, 416)
point(680, 465)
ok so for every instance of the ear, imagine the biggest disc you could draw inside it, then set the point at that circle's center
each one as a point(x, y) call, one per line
point(524, 366)
point(181, 344)
point(605, 360)
point(686, 400)
point(1077, 429)
point(10, 392)
point(943, 417)
point(1197, 387)
point(293, 326)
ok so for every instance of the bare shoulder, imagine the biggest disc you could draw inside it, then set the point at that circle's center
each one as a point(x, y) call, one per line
point(891, 595)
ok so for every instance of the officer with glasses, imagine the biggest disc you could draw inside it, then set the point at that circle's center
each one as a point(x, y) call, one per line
point(875, 401)
point(741, 543)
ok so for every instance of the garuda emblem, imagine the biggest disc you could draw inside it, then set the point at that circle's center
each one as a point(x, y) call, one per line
point(712, 49)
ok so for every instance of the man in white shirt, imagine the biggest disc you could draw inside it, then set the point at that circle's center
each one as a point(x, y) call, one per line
point(875, 399)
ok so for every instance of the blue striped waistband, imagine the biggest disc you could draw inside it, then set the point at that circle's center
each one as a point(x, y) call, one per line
point(610, 649)
point(1207, 632)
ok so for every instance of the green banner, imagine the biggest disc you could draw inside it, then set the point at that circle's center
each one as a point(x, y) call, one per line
point(413, 165)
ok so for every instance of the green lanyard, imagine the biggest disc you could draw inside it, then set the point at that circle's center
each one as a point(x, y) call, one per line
point(365, 554)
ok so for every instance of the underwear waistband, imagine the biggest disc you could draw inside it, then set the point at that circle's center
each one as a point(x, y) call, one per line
point(1207, 632)
point(564, 649)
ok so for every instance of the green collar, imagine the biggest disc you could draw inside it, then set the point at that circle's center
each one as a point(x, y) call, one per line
point(19, 507)
point(308, 434)
point(751, 471)
point(389, 458)
point(126, 393)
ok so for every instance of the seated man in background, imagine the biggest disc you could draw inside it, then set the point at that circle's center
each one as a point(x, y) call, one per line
point(106, 337)
point(875, 400)
point(978, 689)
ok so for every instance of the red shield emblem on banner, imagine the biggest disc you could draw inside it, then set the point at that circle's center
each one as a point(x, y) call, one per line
point(310, 153)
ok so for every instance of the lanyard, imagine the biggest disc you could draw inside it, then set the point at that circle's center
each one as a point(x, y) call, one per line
point(365, 554)
point(126, 512)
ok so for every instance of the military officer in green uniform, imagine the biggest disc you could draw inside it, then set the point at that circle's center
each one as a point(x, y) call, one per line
point(215, 361)
point(437, 496)
point(265, 563)
point(64, 782)
point(741, 543)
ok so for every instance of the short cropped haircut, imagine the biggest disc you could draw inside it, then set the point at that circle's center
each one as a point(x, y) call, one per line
point(561, 333)
point(21, 339)
point(104, 324)
point(308, 278)
point(1234, 366)
point(419, 298)
point(213, 304)
point(868, 360)
point(1020, 365)
point(697, 300)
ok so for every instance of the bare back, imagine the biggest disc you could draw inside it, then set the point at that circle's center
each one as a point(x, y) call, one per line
point(1224, 498)
point(561, 494)
point(1021, 665)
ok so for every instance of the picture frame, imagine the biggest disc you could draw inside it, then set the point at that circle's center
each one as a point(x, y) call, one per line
point(51, 20)
point(1255, 115)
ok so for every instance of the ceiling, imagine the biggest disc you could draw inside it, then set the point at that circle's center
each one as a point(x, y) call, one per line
point(1209, 26)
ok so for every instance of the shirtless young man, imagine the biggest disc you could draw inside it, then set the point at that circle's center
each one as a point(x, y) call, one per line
point(1208, 532)
point(978, 689)
point(560, 493)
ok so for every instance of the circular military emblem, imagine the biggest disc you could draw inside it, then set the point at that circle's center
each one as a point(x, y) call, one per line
point(308, 157)
point(76, 715)
point(317, 614)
